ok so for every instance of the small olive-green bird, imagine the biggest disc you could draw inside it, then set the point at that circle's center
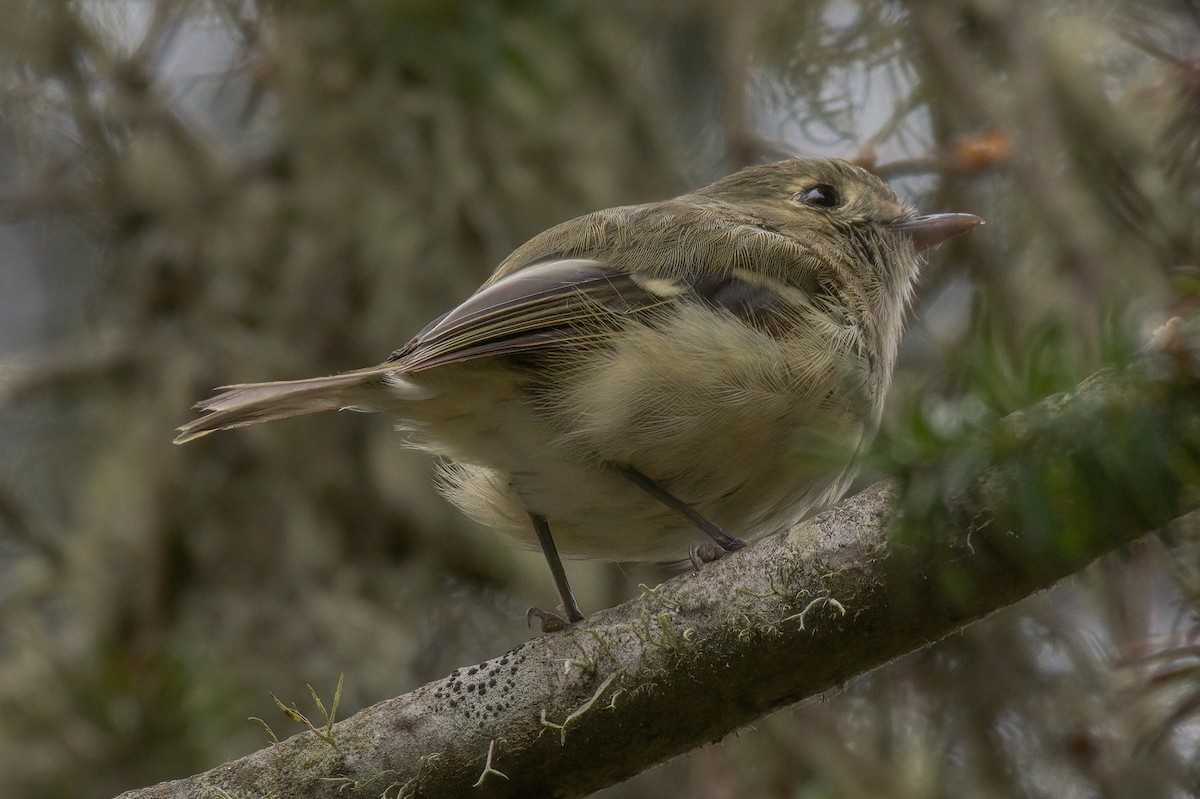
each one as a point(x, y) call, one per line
point(635, 376)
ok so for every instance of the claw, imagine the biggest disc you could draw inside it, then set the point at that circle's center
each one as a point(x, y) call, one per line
point(549, 622)
point(705, 553)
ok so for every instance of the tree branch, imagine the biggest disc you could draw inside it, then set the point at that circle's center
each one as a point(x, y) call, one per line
point(688, 662)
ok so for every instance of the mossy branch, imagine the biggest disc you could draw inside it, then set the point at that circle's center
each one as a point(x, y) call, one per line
point(687, 663)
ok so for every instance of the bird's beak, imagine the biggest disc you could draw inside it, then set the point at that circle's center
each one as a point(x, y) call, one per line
point(926, 231)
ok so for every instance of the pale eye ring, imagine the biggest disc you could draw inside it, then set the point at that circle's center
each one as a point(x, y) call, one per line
point(822, 195)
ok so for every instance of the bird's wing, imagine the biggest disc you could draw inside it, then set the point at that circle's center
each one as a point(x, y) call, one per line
point(574, 301)
point(541, 306)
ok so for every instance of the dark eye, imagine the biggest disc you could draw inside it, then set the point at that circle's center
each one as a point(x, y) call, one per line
point(821, 195)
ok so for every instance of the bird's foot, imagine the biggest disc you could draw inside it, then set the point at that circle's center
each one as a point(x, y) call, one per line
point(711, 551)
point(549, 622)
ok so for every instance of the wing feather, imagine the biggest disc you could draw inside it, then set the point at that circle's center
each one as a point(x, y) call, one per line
point(542, 306)
point(583, 301)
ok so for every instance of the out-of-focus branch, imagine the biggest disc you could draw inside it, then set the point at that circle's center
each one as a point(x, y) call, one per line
point(26, 378)
point(968, 156)
point(797, 614)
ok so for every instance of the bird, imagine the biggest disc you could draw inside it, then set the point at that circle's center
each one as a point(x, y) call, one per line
point(635, 379)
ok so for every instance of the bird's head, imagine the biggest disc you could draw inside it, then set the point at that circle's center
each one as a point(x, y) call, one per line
point(814, 198)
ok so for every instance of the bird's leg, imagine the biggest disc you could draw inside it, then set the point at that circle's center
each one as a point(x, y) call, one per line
point(726, 541)
point(552, 622)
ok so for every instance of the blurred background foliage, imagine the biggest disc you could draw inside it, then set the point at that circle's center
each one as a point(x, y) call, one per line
point(200, 192)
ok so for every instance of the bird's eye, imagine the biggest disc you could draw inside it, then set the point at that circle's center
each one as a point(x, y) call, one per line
point(821, 195)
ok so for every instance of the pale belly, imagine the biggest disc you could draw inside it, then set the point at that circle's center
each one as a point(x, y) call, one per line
point(750, 445)
point(596, 513)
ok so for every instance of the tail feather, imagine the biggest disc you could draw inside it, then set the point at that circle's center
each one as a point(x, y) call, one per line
point(251, 403)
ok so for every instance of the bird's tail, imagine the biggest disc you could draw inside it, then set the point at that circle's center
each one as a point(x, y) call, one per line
point(251, 403)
